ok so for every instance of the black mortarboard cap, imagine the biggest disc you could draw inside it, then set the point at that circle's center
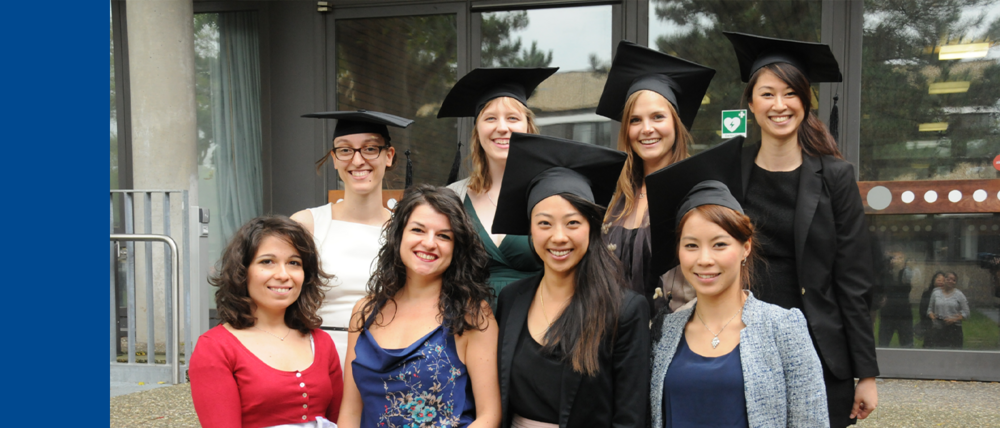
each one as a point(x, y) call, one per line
point(815, 60)
point(635, 68)
point(362, 122)
point(667, 191)
point(540, 166)
point(471, 93)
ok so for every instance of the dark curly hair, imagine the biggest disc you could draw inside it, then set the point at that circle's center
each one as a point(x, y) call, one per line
point(592, 313)
point(463, 288)
point(232, 299)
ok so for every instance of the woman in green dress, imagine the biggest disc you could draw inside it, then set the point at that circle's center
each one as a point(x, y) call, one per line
point(497, 99)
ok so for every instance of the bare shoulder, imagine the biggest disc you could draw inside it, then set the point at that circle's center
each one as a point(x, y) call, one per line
point(305, 218)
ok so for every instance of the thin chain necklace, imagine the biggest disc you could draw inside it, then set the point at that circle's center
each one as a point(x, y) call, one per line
point(715, 340)
point(282, 338)
point(488, 198)
point(541, 296)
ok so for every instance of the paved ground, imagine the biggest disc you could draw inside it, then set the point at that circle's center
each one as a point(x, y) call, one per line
point(902, 403)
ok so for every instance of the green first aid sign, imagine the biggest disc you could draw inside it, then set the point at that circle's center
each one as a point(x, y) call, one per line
point(734, 123)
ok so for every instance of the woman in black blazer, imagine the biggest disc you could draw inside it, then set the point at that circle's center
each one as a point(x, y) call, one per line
point(573, 341)
point(804, 202)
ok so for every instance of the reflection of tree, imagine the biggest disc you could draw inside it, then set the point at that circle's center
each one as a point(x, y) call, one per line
point(696, 35)
point(403, 66)
point(500, 50)
point(900, 62)
point(206, 49)
point(114, 115)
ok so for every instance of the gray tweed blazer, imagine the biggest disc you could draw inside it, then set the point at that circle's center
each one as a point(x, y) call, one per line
point(783, 380)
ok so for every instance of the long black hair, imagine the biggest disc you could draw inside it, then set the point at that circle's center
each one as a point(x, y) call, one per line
point(592, 313)
point(463, 288)
point(814, 137)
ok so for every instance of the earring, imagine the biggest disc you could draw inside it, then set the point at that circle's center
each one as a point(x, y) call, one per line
point(744, 262)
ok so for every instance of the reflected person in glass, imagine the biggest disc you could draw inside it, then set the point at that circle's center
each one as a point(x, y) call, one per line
point(347, 231)
point(923, 327)
point(422, 348)
point(497, 99)
point(656, 96)
point(803, 198)
point(947, 308)
point(896, 313)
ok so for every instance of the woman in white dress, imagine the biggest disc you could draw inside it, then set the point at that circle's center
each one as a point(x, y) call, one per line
point(347, 233)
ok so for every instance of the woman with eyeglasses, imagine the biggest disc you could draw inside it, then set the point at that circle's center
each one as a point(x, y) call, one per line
point(347, 232)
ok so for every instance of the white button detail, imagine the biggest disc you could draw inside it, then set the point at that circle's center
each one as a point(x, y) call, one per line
point(298, 374)
point(302, 385)
point(305, 395)
point(305, 406)
point(303, 417)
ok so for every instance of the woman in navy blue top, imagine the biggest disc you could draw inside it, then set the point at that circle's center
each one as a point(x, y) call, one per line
point(730, 360)
point(422, 346)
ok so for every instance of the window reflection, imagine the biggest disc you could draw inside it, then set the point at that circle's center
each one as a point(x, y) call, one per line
point(564, 104)
point(403, 66)
point(912, 250)
point(930, 99)
point(692, 29)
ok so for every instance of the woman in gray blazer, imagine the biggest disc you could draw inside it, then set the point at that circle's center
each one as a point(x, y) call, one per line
point(730, 360)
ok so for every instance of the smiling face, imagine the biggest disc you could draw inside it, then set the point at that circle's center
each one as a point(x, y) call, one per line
point(710, 257)
point(651, 128)
point(560, 234)
point(427, 243)
point(362, 176)
point(940, 280)
point(776, 107)
point(496, 121)
point(275, 274)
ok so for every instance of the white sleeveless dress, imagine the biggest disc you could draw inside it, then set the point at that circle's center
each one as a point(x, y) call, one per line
point(349, 251)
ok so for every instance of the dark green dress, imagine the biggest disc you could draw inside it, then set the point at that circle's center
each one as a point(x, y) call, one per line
point(512, 261)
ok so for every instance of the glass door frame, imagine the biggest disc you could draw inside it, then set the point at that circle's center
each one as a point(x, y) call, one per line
point(328, 44)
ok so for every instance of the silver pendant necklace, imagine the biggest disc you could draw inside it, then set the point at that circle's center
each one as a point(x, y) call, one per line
point(715, 339)
point(282, 338)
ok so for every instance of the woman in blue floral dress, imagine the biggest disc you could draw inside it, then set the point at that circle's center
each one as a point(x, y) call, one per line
point(422, 346)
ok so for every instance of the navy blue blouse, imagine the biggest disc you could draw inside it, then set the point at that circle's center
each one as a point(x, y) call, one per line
point(704, 391)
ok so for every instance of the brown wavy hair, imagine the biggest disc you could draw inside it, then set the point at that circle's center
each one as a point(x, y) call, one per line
point(736, 225)
point(479, 177)
point(592, 313)
point(814, 137)
point(463, 285)
point(630, 179)
point(232, 299)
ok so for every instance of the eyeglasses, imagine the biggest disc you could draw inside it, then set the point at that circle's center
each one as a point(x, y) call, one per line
point(367, 152)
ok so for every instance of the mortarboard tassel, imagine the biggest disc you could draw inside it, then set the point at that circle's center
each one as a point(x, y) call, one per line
point(453, 175)
point(409, 170)
point(834, 120)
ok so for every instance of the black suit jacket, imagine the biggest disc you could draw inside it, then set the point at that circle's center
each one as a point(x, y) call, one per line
point(833, 261)
point(618, 396)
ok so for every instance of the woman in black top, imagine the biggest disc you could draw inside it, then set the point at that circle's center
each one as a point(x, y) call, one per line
point(804, 201)
point(574, 341)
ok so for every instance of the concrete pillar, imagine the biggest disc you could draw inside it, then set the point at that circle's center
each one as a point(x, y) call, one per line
point(164, 127)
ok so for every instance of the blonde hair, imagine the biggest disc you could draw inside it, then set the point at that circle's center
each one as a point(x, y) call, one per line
point(630, 180)
point(479, 177)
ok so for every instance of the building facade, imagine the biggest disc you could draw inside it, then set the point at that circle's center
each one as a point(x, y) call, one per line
point(208, 96)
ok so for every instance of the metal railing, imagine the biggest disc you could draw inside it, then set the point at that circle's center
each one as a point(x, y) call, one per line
point(177, 282)
point(173, 330)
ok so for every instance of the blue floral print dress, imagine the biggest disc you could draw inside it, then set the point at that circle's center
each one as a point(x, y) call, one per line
point(424, 385)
